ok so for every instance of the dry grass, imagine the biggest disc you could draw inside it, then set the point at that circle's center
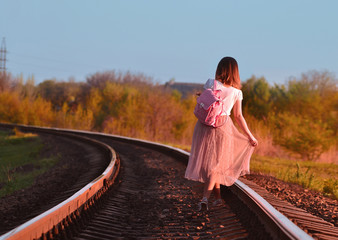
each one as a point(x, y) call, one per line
point(322, 177)
point(18, 134)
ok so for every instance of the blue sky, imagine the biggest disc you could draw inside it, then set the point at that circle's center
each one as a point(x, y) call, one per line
point(169, 39)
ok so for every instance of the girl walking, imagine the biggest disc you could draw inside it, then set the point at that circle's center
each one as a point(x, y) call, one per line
point(221, 155)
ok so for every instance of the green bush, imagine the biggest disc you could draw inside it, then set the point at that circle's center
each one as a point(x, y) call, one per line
point(298, 134)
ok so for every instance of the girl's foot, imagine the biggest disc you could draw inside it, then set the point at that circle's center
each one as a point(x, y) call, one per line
point(203, 204)
point(217, 202)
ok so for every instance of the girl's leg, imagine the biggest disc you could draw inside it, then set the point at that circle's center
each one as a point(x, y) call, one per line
point(217, 191)
point(208, 187)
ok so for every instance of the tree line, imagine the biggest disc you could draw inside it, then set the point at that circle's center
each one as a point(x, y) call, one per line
point(298, 118)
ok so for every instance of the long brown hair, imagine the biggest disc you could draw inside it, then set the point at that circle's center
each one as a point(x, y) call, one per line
point(227, 72)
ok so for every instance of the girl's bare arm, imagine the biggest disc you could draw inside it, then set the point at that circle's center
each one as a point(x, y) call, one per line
point(242, 123)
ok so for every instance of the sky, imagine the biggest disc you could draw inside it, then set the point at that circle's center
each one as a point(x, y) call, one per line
point(180, 39)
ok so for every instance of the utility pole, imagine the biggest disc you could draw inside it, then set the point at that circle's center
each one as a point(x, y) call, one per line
point(3, 59)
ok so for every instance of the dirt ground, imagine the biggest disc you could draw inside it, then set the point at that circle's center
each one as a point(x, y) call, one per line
point(27, 203)
point(309, 200)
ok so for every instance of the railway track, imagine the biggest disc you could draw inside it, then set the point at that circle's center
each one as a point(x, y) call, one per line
point(79, 163)
point(150, 199)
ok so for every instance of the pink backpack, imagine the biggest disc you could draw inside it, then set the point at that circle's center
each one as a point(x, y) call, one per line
point(209, 108)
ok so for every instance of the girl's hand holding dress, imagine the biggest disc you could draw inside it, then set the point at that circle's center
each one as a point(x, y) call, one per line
point(253, 141)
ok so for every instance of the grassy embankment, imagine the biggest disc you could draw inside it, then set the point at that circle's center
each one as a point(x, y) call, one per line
point(20, 161)
point(322, 177)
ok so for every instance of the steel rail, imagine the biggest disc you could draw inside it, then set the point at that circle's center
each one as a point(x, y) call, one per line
point(47, 221)
point(279, 226)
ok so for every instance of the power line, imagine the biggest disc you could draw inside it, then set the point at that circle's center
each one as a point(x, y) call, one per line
point(3, 59)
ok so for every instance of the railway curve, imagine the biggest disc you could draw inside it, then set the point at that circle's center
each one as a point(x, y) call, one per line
point(163, 206)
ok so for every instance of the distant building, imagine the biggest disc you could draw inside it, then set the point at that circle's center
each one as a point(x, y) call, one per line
point(185, 88)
